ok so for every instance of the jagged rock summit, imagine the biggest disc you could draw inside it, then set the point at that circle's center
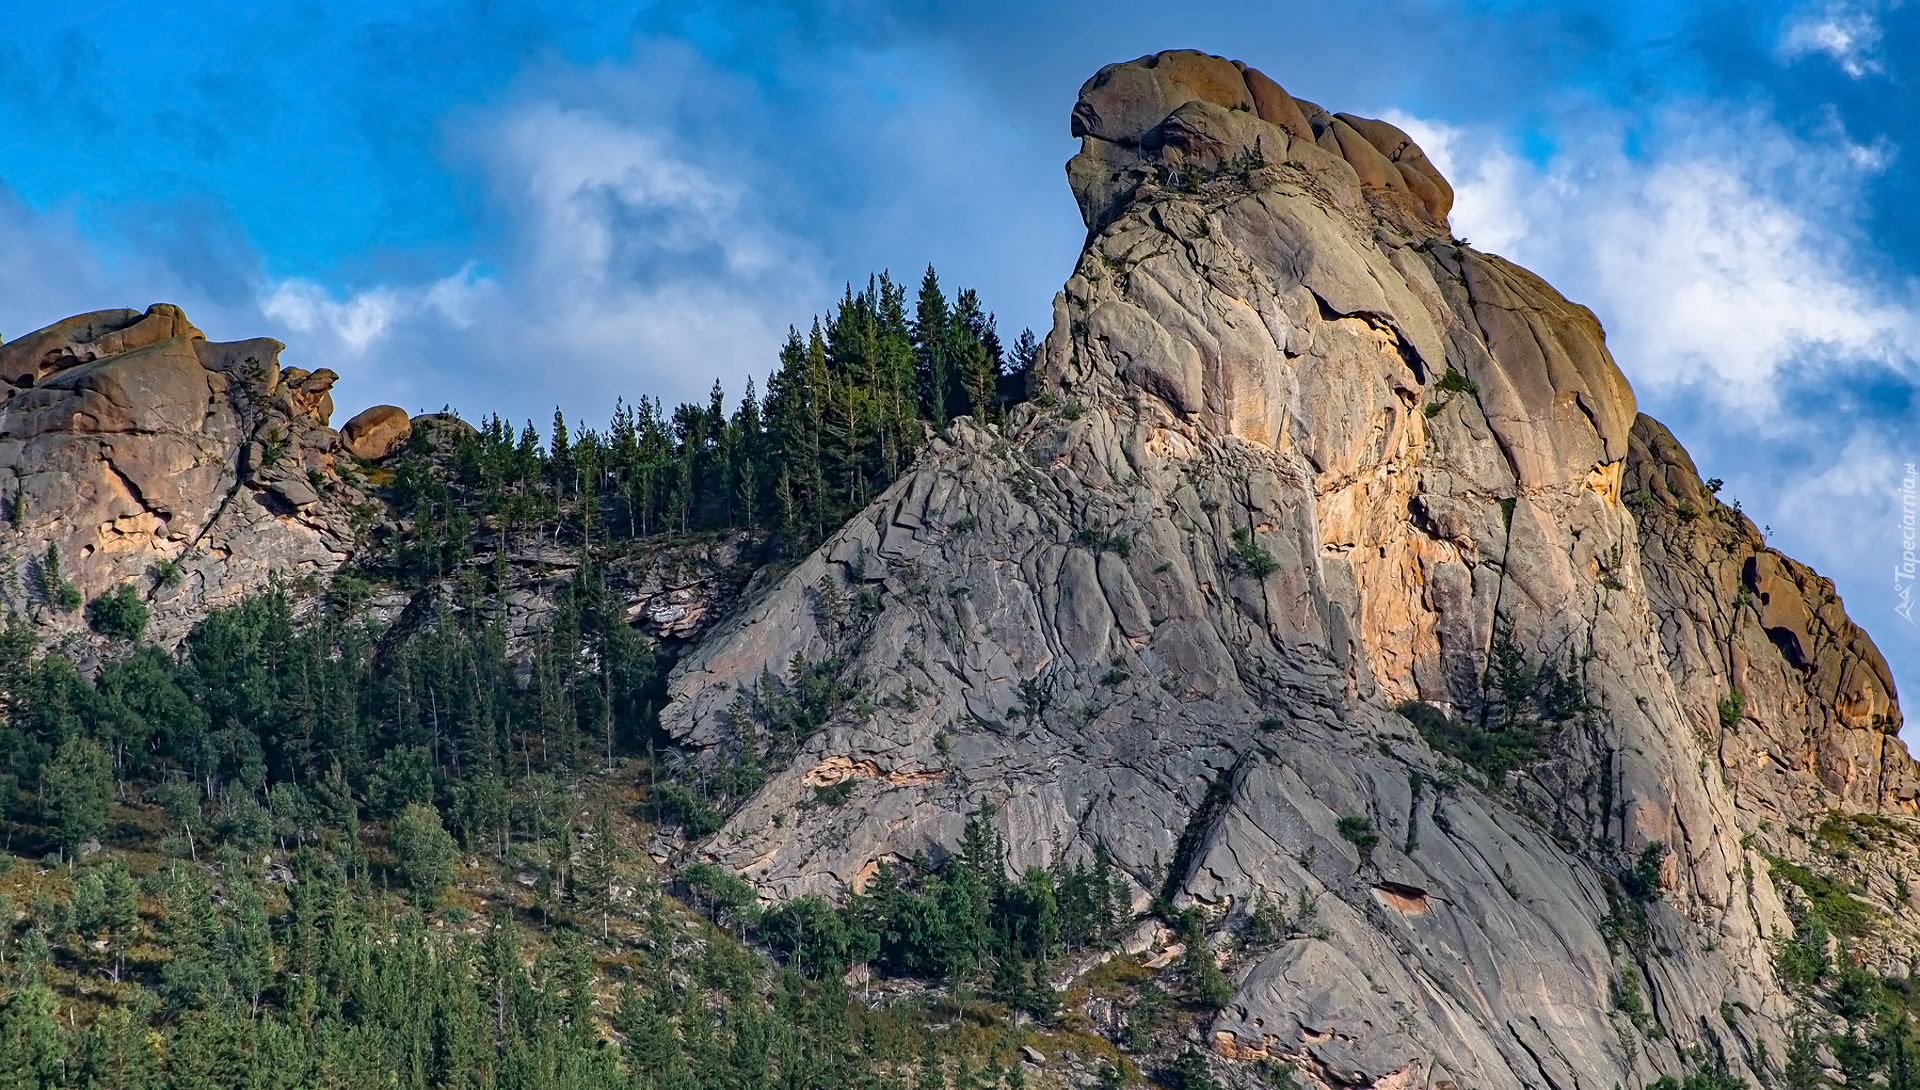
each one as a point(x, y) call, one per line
point(1299, 459)
point(142, 453)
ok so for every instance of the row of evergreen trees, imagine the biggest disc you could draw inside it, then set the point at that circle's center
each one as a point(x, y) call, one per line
point(268, 728)
point(234, 981)
point(969, 923)
point(843, 414)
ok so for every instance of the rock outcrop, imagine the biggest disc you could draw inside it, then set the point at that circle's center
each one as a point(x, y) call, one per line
point(1300, 457)
point(136, 451)
point(377, 432)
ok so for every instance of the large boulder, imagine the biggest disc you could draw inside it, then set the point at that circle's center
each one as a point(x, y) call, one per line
point(377, 432)
point(86, 337)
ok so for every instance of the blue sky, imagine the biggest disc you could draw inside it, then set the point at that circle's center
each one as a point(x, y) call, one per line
point(507, 205)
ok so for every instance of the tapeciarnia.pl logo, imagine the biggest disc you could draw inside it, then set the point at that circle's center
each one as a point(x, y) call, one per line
point(1904, 572)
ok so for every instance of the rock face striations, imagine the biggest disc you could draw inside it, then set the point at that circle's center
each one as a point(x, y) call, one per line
point(1300, 459)
point(135, 451)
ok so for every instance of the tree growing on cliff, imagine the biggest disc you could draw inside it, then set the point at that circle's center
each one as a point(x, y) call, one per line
point(119, 614)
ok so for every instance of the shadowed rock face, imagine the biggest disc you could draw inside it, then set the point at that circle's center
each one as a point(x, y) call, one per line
point(129, 441)
point(1170, 608)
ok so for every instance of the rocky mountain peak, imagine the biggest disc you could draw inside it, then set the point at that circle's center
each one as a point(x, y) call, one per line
point(1331, 566)
point(1332, 563)
point(1298, 209)
point(1181, 115)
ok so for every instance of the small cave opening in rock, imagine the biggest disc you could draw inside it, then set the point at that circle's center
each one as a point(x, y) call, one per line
point(1408, 900)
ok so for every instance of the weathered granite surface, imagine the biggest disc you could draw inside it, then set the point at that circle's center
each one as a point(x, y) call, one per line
point(1171, 607)
point(146, 454)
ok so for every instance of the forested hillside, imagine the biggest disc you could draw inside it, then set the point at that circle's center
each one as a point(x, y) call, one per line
point(320, 843)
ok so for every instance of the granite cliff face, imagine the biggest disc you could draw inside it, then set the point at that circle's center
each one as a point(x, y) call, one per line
point(144, 454)
point(1300, 457)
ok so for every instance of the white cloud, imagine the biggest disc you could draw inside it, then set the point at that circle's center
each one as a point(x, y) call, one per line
point(621, 262)
point(630, 255)
point(365, 318)
point(625, 268)
point(305, 307)
point(1848, 34)
point(1718, 260)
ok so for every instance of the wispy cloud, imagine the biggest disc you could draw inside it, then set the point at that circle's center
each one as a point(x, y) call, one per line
point(1720, 259)
point(1848, 34)
point(624, 266)
point(365, 318)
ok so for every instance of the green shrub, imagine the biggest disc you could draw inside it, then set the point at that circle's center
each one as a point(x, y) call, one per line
point(1191, 1071)
point(77, 791)
point(1359, 830)
point(1730, 707)
point(814, 938)
point(119, 614)
point(1205, 981)
point(1643, 880)
point(1627, 998)
point(54, 589)
point(1255, 560)
point(1715, 1077)
point(730, 899)
point(1493, 750)
point(833, 794)
point(403, 777)
point(426, 854)
point(1830, 905)
point(678, 805)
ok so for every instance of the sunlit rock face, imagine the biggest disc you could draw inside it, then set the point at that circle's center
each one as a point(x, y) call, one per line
point(145, 454)
point(1299, 457)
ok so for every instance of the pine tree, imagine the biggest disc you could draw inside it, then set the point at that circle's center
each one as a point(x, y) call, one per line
point(1017, 378)
point(560, 453)
point(599, 869)
point(976, 354)
point(246, 944)
point(1190, 1071)
point(428, 857)
point(120, 912)
point(76, 793)
point(933, 1072)
point(933, 347)
point(30, 1042)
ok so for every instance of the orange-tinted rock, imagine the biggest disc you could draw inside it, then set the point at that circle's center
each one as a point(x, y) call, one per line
point(377, 432)
point(1174, 614)
point(87, 337)
point(1421, 176)
point(1138, 127)
point(1274, 104)
point(137, 441)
